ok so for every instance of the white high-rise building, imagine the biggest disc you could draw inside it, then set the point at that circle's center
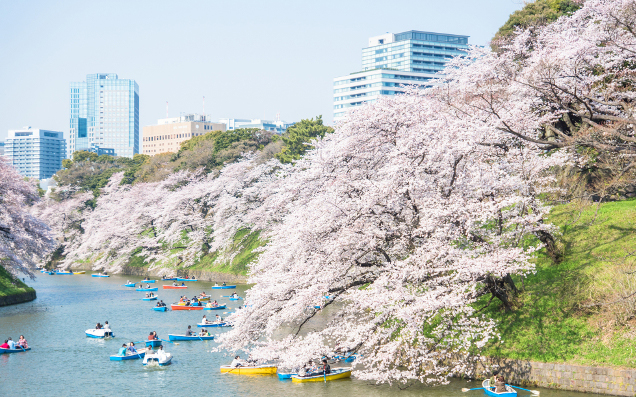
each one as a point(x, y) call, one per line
point(35, 153)
point(392, 61)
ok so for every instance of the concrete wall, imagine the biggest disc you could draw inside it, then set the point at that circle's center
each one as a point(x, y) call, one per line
point(616, 382)
point(27, 296)
point(199, 274)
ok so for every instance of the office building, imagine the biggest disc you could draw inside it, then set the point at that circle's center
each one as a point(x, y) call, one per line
point(35, 153)
point(392, 61)
point(104, 115)
point(276, 126)
point(1, 148)
point(168, 134)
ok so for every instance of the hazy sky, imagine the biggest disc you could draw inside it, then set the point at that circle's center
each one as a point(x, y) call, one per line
point(250, 59)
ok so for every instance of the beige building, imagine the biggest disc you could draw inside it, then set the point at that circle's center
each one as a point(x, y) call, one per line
point(168, 134)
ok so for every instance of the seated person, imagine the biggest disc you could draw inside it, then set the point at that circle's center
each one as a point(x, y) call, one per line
point(98, 326)
point(5, 345)
point(218, 319)
point(189, 331)
point(237, 362)
point(224, 283)
point(235, 295)
point(11, 344)
point(215, 303)
point(174, 284)
point(106, 326)
point(209, 304)
point(203, 332)
point(132, 349)
point(23, 342)
point(500, 385)
point(122, 350)
point(183, 284)
point(151, 336)
point(158, 304)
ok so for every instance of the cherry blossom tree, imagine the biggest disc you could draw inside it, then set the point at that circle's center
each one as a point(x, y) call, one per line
point(24, 239)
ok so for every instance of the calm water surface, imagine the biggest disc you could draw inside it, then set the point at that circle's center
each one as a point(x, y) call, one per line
point(64, 362)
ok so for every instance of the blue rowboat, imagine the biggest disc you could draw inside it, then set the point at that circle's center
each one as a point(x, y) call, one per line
point(283, 376)
point(160, 309)
point(99, 275)
point(220, 307)
point(231, 297)
point(148, 289)
point(169, 279)
point(153, 343)
point(50, 273)
point(490, 391)
point(148, 281)
point(64, 273)
point(130, 357)
point(214, 325)
point(223, 286)
point(152, 298)
point(186, 279)
point(20, 350)
point(129, 285)
point(183, 337)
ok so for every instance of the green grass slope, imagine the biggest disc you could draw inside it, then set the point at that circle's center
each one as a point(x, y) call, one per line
point(10, 285)
point(580, 310)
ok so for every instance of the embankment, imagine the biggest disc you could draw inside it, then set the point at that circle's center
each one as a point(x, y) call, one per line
point(13, 290)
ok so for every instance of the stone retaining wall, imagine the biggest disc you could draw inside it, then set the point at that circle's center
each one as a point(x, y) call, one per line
point(616, 382)
point(14, 299)
point(198, 274)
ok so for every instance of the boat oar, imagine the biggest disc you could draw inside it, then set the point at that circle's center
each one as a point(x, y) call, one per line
point(477, 388)
point(535, 392)
point(169, 341)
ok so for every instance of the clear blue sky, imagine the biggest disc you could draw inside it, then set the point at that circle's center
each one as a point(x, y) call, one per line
point(250, 59)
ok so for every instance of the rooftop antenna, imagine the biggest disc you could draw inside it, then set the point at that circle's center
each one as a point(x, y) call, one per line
point(204, 108)
point(166, 109)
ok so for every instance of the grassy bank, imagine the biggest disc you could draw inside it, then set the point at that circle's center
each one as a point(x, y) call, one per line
point(10, 285)
point(579, 310)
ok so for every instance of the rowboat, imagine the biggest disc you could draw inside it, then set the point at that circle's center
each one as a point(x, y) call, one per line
point(161, 359)
point(267, 369)
point(64, 273)
point(80, 272)
point(99, 275)
point(206, 325)
point(186, 279)
point(140, 354)
point(490, 391)
point(230, 297)
point(169, 279)
point(152, 298)
point(223, 286)
point(50, 273)
point(283, 376)
point(182, 307)
point(220, 307)
point(148, 281)
point(160, 308)
point(20, 350)
point(175, 286)
point(129, 285)
point(338, 373)
point(153, 343)
point(204, 298)
point(183, 337)
point(148, 289)
point(99, 333)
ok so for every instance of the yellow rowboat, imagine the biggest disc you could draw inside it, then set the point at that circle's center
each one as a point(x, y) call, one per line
point(335, 374)
point(257, 370)
point(82, 272)
point(204, 298)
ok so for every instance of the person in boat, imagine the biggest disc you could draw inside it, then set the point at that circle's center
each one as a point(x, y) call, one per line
point(158, 304)
point(151, 336)
point(11, 343)
point(326, 368)
point(127, 281)
point(194, 299)
point(493, 378)
point(203, 295)
point(203, 332)
point(215, 303)
point(224, 283)
point(209, 304)
point(218, 319)
point(237, 362)
point(5, 345)
point(189, 331)
point(234, 295)
point(147, 285)
point(23, 342)
point(98, 326)
point(183, 284)
point(205, 320)
point(161, 353)
point(122, 350)
point(105, 274)
point(163, 304)
point(187, 302)
point(106, 326)
point(174, 284)
point(132, 349)
point(216, 284)
point(155, 334)
point(147, 295)
point(500, 385)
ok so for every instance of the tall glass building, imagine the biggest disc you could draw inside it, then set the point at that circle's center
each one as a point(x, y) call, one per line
point(392, 61)
point(104, 115)
point(35, 153)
